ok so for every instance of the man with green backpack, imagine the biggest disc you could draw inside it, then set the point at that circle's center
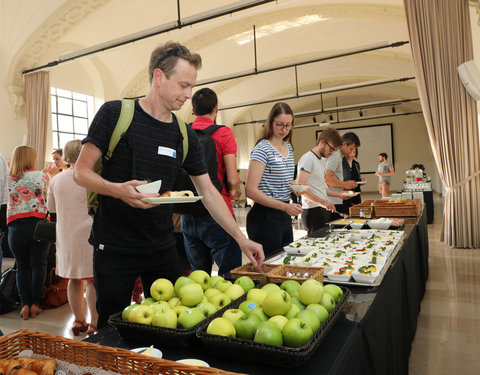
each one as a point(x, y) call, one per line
point(133, 238)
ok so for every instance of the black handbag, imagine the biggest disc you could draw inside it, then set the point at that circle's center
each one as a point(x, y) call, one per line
point(8, 290)
point(45, 230)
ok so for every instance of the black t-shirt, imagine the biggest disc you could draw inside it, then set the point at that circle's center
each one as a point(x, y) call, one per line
point(154, 150)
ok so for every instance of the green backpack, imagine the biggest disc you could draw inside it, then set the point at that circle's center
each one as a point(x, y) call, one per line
point(123, 123)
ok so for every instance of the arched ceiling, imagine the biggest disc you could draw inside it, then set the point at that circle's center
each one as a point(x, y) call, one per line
point(48, 30)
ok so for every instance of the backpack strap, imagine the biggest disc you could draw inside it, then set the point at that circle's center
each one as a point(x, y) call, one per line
point(183, 130)
point(124, 121)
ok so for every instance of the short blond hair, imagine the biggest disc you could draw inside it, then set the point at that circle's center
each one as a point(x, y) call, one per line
point(23, 158)
point(71, 150)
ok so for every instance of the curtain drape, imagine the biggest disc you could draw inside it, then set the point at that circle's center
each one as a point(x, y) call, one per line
point(37, 103)
point(440, 38)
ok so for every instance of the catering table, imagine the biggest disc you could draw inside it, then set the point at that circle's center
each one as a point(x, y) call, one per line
point(374, 335)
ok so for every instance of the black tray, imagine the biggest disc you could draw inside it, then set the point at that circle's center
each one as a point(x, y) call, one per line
point(266, 353)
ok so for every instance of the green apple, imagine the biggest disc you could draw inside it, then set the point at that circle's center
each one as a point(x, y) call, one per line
point(328, 302)
point(207, 308)
point(220, 300)
point(174, 301)
point(222, 286)
point(204, 299)
point(268, 333)
point(296, 333)
point(166, 318)
point(296, 301)
point(233, 314)
point(209, 293)
point(141, 314)
point(214, 280)
point(334, 290)
point(279, 320)
point(181, 281)
point(294, 309)
point(259, 311)
point(291, 287)
point(162, 289)
point(310, 318)
point(200, 277)
point(256, 295)
point(320, 312)
point(179, 309)
point(247, 306)
point(160, 306)
point(270, 287)
point(127, 310)
point(191, 294)
point(190, 318)
point(311, 291)
point(234, 291)
point(277, 302)
point(221, 327)
point(247, 325)
point(149, 301)
point(245, 282)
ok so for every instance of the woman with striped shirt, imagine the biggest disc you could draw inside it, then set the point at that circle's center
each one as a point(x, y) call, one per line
point(269, 177)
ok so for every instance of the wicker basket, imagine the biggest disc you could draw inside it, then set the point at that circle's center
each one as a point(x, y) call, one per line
point(278, 275)
point(407, 208)
point(255, 274)
point(86, 354)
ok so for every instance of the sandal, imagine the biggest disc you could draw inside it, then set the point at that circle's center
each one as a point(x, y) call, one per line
point(79, 326)
point(34, 311)
point(91, 329)
point(25, 312)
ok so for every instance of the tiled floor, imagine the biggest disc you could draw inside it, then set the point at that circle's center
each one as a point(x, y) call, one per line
point(448, 332)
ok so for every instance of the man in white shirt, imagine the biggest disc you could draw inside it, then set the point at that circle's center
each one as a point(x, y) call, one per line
point(311, 172)
point(334, 170)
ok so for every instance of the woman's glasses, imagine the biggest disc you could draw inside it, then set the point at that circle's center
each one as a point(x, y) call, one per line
point(281, 126)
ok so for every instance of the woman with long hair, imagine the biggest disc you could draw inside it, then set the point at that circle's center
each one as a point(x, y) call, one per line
point(74, 254)
point(269, 177)
point(27, 190)
point(351, 171)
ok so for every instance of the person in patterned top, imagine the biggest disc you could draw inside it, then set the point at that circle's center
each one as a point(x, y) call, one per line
point(27, 189)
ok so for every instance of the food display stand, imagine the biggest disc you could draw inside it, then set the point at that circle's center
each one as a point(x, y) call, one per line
point(373, 335)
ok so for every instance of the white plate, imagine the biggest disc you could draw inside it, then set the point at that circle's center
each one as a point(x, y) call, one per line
point(194, 362)
point(166, 200)
point(347, 194)
point(299, 188)
point(361, 182)
point(152, 187)
point(156, 353)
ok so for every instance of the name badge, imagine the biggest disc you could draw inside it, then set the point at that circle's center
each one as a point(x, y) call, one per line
point(167, 151)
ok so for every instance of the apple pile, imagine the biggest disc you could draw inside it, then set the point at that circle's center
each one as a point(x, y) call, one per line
point(287, 315)
point(187, 302)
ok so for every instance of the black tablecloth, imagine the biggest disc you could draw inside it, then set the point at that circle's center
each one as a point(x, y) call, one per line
point(374, 335)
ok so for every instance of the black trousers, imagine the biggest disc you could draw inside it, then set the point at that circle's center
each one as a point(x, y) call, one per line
point(270, 227)
point(315, 218)
point(116, 271)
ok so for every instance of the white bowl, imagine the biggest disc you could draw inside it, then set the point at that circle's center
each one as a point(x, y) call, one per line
point(152, 187)
point(299, 188)
point(365, 278)
point(379, 224)
point(194, 362)
point(345, 277)
point(357, 225)
point(156, 353)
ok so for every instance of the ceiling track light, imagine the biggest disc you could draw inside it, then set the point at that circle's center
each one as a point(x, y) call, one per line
point(394, 109)
point(360, 113)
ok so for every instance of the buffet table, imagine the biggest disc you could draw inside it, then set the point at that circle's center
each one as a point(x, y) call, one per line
point(374, 335)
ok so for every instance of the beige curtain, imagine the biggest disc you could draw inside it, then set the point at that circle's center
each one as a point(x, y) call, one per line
point(37, 102)
point(440, 37)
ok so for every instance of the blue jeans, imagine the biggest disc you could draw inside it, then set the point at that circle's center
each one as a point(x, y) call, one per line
point(31, 259)
point(206, 241)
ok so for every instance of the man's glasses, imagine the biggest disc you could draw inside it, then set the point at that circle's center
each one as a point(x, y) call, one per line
point(281, 126)
point(177, 51)
point(332, 149)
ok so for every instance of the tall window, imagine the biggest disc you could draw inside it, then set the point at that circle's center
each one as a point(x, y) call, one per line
point(71, 115)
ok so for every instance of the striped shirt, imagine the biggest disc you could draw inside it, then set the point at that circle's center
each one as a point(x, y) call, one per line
point(279, 170)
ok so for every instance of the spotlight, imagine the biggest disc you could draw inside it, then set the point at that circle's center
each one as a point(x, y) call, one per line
point(360, 113)
point(394, 109)
point(314, 119)
point(330, 117)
